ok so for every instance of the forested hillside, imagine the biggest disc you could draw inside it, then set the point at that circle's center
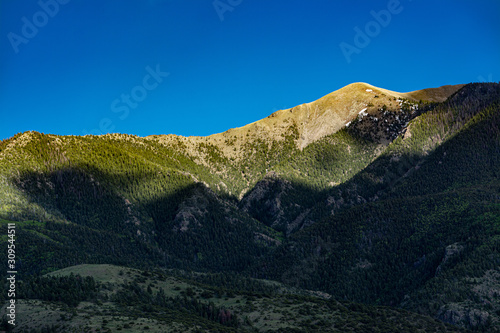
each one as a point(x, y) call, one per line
point(427, 236)
point(395, 203)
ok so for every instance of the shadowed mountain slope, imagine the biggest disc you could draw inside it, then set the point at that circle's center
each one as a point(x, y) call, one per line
point(372, 196)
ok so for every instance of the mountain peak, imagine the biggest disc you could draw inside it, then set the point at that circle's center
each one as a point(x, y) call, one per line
point(332, 112)
point(439, 94)
point(312, 121)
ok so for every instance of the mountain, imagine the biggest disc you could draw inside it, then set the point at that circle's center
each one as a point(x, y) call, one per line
point(428, 223)
point(377, 198)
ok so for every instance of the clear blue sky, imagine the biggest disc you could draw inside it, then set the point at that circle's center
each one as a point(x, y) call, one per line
point(85, 66)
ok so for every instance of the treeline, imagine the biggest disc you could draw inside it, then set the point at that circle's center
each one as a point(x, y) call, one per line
point(70, 290)
point(226, 283)
point(134, 295)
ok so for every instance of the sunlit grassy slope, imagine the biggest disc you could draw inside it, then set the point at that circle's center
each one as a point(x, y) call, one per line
point(372, 196)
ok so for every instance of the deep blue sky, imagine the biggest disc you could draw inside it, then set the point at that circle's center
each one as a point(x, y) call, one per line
point(263, 56)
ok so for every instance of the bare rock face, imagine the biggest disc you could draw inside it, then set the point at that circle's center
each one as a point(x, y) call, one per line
point(450, 252)
point(472, 318)
point(478, 311)
point(191, 211)
point(264, 202)
point(272, 202)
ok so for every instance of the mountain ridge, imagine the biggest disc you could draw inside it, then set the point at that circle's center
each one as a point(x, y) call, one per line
point(335, 109)
point(370, 213)
point(320, 106)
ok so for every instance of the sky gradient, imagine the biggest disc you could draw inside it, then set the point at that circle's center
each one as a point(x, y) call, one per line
point(198, 67)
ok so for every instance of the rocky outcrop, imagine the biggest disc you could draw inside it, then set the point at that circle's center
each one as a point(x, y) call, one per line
point(264, 201)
